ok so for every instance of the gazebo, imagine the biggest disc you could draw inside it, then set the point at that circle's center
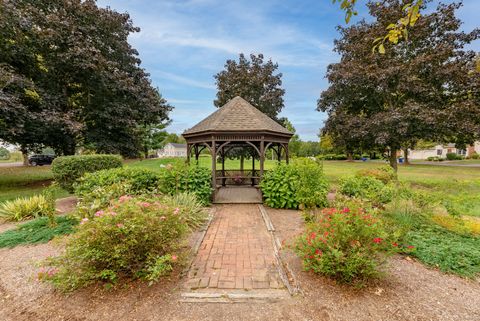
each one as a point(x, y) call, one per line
point(237, 125)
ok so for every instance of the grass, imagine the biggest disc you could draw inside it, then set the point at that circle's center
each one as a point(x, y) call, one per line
point(37, 231)
point(15, 157)
point(25, 181)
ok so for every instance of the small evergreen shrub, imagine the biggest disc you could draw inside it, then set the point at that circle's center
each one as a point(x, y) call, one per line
point(299, 184)
point(368, 188)
point(67, 169)
point(386, 174)
point(133, 238)
point(180, 178)
point(349, 245)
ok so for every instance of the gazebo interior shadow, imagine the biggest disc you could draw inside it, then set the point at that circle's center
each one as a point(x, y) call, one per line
point(237, 129)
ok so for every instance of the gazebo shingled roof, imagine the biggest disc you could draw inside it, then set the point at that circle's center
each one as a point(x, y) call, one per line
point(237, 115)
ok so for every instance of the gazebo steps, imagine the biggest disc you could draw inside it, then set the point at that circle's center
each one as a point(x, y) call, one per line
point(237, 195)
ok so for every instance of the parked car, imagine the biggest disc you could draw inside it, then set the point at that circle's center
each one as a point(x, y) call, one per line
point(39, 159)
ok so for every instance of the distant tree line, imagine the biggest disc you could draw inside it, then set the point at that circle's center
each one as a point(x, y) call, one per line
point(69, 78)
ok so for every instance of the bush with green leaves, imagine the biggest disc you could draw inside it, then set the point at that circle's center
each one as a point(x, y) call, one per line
point(348, 244)
point(368, 188)
point(180, 178)
point(386, 174)
point(4, 153)
point(28, 207)
point(299, 184)
point(475, 155)
point(454, 156)
point(133, 238)
point(68, 169)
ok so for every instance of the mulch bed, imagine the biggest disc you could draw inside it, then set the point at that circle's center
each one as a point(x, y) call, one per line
point(409, 292)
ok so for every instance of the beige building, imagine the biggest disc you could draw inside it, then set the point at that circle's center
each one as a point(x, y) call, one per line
point(173, 150)
point(441, 151)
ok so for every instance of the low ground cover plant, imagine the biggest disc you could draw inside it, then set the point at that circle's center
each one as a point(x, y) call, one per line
point(67, 169)
point(134, 238)
point(299, 184)
point(348, 244)
point(180, 177)
point(39, 230)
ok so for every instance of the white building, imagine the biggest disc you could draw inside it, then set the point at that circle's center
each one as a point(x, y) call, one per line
point(441, 151)
point(173, 150)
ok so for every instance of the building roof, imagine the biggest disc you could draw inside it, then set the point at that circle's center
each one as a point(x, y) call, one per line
point(178, 145)
point(237, 115)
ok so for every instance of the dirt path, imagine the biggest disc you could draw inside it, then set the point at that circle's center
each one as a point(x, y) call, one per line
point(410, 291)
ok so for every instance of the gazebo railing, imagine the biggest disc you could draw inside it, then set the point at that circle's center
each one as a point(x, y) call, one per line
point(237, 177)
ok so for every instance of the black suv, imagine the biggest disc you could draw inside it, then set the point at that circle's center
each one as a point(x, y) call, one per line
point(39, 160)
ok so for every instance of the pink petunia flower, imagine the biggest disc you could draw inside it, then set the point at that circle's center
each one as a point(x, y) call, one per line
point(99, 213)
point(176, 211)
point(84, 220)
point(120, 225)
point(124, 198)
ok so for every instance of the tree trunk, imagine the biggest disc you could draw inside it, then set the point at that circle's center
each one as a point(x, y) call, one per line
point(405, 156)
point(24, 151)
point(393, 159)
point(349, 157)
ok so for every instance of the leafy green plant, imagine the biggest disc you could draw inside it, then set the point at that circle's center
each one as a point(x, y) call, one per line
point(188, 206)
point(39, 230)
point(301, 183)
point(180, 178)
point(67, 169)
point(279, 187)
point(454, 156)
point(348, 244)
point(367, 187)
point(27, 207)
point(125, 241)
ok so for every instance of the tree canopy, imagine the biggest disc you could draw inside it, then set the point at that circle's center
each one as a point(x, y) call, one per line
point(254, 80)
point(424, 87)
point(69, 77)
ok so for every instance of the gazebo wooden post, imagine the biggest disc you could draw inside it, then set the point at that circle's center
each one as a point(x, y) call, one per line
point(262, 156)
point(196, 153)
point(253, 168)
point(189, 151)
point(286, 153)
point(222, 153)
point(214, 166)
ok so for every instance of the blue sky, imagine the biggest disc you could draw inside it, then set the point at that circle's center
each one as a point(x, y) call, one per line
point(183, 44)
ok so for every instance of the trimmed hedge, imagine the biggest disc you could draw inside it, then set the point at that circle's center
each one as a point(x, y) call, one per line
point(67, 169)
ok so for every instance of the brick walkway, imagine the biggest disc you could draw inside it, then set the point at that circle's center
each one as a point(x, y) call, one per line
point(236, 253)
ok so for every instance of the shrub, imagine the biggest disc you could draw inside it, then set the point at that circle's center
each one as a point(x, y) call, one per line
point(386, 174)
point(4, 153)
point(368, 188)
point(348, 244)
point(435, 159)
point(133, 238)
point(279, 187)
point(27, 207)
point(95, 190)
point(67, 169)
point(454, 156)
point(475, 155)
point(180, 178)
point(301, 183)
point(188, 207)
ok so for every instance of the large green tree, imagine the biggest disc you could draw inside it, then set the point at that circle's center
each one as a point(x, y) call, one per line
point(69, 77)
point(424, 87)
point(255, 80)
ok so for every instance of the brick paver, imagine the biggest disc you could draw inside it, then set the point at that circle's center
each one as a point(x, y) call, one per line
point(236, 253)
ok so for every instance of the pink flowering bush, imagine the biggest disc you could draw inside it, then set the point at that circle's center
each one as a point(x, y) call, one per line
point(132, 238)
point(348, 244)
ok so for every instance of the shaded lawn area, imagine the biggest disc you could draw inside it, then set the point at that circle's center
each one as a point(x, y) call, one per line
point(23, 181)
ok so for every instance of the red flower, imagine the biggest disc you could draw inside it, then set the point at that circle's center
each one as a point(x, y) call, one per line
point(377, 240)
point(313, 235)
point(395, 244)
point(410, 247)
point(346, 210)
point(318, 252)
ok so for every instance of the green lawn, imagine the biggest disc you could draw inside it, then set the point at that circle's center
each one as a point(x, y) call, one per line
point(25, 181)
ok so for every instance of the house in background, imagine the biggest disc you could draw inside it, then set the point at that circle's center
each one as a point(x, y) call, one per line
point(441, 151)
point(173, 150)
